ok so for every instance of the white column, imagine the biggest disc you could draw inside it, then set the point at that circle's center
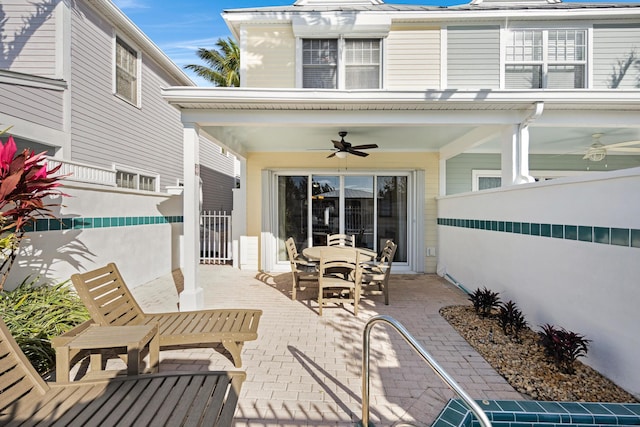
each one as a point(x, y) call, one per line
point(515, 150)
point(191, 298)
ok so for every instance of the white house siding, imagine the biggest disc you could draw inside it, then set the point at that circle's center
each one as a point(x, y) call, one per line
point(28, 37)
point(460, 167)
point(36, 105)
point(413, 58)
point(218, 177)
point(616, 55)
point(473, 57)
point(106, 129)
point(269, 57)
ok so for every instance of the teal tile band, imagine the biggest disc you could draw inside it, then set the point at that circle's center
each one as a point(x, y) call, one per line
point(516, 413)
point(57, 224)
point(629, 237)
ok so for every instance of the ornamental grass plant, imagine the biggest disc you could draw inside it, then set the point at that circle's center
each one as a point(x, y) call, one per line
point(36, 312)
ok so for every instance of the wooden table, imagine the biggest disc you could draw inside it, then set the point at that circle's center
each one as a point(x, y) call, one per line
point(313, 253)
point(132, 339)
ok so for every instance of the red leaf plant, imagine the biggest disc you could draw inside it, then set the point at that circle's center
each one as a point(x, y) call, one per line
point(24, 183)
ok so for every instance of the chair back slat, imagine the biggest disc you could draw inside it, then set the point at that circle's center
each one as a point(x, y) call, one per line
point(107, 297)
point(341, 240)
point(19, 381)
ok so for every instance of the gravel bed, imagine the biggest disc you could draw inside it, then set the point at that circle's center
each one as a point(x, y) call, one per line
point(525, 366)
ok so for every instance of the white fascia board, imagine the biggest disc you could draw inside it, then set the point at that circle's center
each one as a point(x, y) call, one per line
point(179, 94)
point(335, 24)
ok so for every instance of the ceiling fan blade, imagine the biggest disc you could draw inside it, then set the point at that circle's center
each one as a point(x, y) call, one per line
point(338, 144)
point(622, 144)
point(357, 153)
point(331, 155)
point(365, 146)
point(625, 149)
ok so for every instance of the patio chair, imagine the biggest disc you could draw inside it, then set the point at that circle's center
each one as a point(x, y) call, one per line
point(302, 270)
point(378, 273)
point(110, 303)
point(340, 278)
point(199, 399)
point(341, 240)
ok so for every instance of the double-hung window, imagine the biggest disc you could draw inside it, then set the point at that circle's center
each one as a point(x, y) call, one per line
point(126, 72)
point(546, 58)
point(341, 63)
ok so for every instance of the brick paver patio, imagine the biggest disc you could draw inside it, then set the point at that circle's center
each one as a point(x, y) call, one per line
point(305, 370)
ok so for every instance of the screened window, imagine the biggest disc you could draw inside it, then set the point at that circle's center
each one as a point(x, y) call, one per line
point(554, 59)
point(126, 72)
point(358, 67)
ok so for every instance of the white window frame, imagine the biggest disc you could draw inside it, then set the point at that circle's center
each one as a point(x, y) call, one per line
point(476, 174)
point(341, 65)
point(545, 62)
point(117, 40)
point(138, 174)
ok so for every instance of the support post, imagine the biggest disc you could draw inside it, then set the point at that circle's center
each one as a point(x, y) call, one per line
point(191, 298)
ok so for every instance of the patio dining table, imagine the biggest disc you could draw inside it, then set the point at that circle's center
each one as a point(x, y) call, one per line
point(313, 253)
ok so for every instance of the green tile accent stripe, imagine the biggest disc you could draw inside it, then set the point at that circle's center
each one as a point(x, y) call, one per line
point(527, 413)
point(56, 224)
point(629, 237)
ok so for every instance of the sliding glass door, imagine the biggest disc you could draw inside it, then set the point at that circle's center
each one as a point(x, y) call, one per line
point(371, 207)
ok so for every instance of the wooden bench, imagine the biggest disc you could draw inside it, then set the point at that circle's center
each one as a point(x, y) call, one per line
point(110, 303)
point(201, 399)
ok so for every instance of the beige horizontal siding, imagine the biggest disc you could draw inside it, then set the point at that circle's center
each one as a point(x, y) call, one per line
point(413, 58)
point(269, 57)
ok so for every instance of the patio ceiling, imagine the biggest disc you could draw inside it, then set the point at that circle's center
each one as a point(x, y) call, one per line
point(451, 122)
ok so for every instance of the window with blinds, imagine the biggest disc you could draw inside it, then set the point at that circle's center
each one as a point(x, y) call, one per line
point(359, 63)
point(554, 59)
point(126, 72)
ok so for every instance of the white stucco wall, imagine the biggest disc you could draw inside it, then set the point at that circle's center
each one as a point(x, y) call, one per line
point(586, 287)
point(142, 252)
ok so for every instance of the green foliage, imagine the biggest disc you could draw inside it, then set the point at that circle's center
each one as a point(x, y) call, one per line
point(224, 64)
point(511, 319)
point(484, 301)
point(25, 182)
point(35, 313)
point(563, 347)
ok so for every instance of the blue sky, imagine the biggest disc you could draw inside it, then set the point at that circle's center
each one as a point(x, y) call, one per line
point(179, 28)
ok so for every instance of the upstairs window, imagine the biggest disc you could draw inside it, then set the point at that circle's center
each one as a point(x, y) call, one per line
point(126, 72)
point(341, 63)
point(552, 59)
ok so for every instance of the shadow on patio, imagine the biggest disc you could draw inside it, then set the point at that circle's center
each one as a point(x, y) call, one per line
point(305, 370)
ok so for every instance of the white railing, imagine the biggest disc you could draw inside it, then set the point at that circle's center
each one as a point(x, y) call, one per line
point(82, 172)
point(215, 237)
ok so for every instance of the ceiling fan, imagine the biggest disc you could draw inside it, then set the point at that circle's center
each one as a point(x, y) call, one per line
point(343, 147)
point(598, 151)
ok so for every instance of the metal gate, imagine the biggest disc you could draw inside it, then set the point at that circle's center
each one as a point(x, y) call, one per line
point(215, 237)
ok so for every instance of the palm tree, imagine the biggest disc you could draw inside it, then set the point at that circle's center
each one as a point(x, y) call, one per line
point(224, 64)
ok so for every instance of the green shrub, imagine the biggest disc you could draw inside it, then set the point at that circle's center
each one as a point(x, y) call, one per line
point(35, 313)
point(484, 301)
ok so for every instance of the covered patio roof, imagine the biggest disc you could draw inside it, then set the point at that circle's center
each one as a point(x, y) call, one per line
point(449, 122)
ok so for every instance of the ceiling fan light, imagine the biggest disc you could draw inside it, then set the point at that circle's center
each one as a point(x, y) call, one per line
point(596, 152)
point(341, 154)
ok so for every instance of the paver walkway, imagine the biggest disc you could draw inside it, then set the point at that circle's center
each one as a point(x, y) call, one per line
point(305, 370)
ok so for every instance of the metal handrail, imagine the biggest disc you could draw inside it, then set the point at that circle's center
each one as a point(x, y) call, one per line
point(444, 376)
